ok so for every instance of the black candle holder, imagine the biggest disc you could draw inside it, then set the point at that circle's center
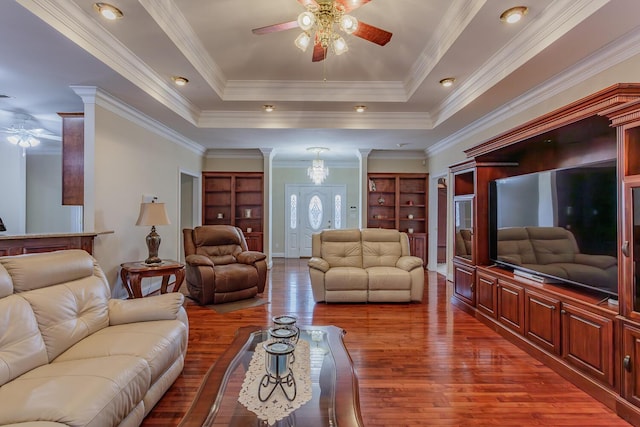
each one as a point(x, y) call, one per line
point(278, 371)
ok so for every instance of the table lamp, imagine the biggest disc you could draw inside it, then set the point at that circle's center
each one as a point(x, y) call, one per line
point(153, 214)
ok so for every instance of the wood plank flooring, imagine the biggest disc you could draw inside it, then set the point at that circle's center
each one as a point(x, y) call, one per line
point(426, 364)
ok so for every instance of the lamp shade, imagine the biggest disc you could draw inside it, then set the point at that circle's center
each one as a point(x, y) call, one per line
point(153, 214)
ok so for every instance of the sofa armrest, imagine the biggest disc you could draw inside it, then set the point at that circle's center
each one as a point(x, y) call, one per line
point(250, 257)
point(157, 307)
point(600, 261)
point(319, 264)
point(408, 263)
point(196, 260)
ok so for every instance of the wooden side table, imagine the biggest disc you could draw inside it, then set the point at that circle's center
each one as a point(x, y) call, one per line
point(132, 274)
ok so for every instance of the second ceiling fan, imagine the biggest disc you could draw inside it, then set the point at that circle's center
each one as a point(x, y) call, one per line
point(318, 24)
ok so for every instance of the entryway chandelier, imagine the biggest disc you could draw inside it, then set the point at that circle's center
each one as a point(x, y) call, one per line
point(318, 172)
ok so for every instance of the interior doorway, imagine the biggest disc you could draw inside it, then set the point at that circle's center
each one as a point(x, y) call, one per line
point(189, 198)
point(309, 209)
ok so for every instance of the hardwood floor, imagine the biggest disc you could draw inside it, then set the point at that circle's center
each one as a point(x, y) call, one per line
point(426, 364)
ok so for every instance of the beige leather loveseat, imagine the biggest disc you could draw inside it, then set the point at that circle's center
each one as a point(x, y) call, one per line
point(369, 265)
point(554, 251)
point(71, 356)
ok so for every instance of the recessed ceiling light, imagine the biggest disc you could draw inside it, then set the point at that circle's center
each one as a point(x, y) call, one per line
point(268, 108)
point(108, 11)
point(179, 80)
point(360, 108)
point(447, 82)
point(513, 15)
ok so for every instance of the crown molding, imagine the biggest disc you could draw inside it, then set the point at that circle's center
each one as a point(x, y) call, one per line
point(622, 49)
point(250, 153)
point(537, 36)
point(456, 19)
point(313, 120)
point(316, 91)
point(171, 20)
point(92, 94)
point(304, 164)
point(397, 154)
point(72, 22)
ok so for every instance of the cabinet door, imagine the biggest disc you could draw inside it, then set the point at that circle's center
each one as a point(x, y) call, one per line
point(587, 342)
point(542, 321)
point(463, 283)
point(486, 294)
point(631, 364)
point(511, 306)
point(418, 246)
point(254, 241)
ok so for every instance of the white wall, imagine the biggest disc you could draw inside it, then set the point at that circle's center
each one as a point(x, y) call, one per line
point(131, 160)
point(45, 212)
point(13, 194)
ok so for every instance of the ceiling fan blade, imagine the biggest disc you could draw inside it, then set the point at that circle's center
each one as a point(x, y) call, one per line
point(350, 5)
point(275, 28)
point(373, 34)
point(308, 3)
point(319, 53)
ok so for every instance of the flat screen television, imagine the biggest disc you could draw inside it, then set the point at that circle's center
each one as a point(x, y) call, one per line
point(558, 226)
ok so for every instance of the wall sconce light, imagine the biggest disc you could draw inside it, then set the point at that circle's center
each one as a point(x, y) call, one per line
point(153, 214)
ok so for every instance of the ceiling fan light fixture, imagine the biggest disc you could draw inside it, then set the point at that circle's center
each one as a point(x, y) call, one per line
point(180, 81)
point(514, 14)
point(13, 139)
point(448, 82)
point(108, 11)
point(348, 24)
point(306, 20)
point(302, 41)
point(340, 46)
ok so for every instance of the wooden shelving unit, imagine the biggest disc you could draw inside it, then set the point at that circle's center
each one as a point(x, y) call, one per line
point(399, 201)
point(235, 198)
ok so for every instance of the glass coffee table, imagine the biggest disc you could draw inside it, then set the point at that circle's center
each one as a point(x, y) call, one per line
point(334, 400)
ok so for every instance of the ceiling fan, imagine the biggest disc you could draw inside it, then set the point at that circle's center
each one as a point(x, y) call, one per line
point(24, 137)
point(318, 22)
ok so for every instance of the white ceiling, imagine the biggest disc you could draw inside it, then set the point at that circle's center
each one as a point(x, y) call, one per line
point(51, 45)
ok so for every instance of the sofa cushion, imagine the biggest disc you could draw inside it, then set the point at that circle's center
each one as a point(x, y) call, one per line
point(21, 345)
point(341, 248)
point(388, 278)
point(345, 278)
point(105, 390)
point(380, 247)
point(69, 312)
point(6, 284)
point(159, 343)
point(53, 268)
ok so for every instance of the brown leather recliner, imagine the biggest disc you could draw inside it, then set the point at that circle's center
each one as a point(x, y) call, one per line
point(219, 267)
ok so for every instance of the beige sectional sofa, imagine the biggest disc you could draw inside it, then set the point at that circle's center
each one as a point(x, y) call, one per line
point(72, 356)
point(554, 251)
point(369, 265)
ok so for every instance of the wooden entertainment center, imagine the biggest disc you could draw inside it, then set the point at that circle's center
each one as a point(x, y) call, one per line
point(585, 336)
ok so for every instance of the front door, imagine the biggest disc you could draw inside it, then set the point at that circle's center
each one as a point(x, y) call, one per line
point(310, 209)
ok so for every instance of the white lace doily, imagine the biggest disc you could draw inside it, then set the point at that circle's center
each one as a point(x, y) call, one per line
point(277, 406)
